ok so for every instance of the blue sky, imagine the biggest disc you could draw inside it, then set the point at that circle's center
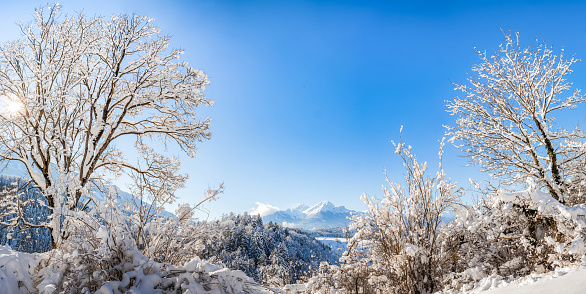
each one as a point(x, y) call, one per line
point(309, 94)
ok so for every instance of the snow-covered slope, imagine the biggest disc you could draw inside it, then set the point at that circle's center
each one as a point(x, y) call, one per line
point(320, 216)
point(567, 280)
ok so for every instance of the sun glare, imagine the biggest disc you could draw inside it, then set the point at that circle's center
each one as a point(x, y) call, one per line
point(10, 105)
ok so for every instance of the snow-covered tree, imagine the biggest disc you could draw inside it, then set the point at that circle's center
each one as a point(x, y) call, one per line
point(506, 120)
point(73, 87)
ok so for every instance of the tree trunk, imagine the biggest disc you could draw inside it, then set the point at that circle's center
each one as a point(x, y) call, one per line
point(555, 172)
point(53, 242)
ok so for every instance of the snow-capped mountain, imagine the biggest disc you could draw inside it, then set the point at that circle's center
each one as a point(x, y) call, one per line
point(320, 216)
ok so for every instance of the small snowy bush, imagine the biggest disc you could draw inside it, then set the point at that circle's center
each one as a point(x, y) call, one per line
point(399, 247)
point(515, 234)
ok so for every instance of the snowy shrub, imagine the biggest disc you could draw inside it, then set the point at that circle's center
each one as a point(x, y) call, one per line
point(515, 234)
point(174, 240)
point(399, 247)
point(67, 272)
point(91, 249)
point(327, 280)
point(100, 255)
point(491, 238)
point(135, 273)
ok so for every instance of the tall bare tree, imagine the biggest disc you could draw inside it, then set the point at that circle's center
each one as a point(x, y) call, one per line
point(73, 87)
point(505, 122)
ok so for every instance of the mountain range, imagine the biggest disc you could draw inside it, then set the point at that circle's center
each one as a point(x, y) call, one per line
point(323, 215)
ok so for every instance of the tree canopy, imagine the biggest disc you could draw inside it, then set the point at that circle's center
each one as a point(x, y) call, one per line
point(75, 86)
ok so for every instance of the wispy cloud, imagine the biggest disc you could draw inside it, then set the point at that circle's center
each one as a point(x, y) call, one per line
point(264, 209)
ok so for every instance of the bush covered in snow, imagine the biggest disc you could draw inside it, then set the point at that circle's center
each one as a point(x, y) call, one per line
point(402, 245)
point(516, 234)
point(399, 247)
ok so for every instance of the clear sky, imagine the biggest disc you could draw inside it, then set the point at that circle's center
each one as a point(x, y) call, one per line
point(309, 94)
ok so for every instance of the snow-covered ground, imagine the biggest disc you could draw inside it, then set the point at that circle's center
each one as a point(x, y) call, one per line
point(567, 280)
point(16, 270)
point(338, 245)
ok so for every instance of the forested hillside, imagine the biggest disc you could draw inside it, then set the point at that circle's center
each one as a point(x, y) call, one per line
point(269, 253)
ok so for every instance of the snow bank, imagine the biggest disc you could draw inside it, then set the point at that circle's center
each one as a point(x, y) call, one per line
point(567, 280)
point(16, 271)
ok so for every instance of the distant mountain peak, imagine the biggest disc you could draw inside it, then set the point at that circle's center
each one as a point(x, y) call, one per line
point(300, 208)
point(322, 215)
point(324, 206)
